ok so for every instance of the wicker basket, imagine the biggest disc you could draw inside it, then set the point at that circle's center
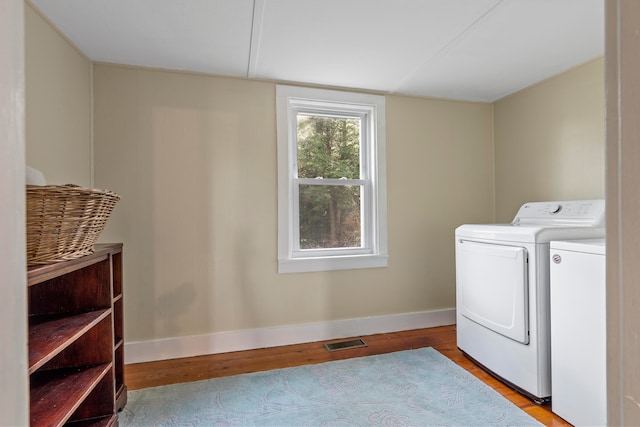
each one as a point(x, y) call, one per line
point(64, 222)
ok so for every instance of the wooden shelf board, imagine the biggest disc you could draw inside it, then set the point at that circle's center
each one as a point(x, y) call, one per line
point(49, 335)
point(68, 388)
point(40, 273)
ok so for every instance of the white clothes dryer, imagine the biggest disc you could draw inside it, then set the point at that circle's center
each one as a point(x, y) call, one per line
point(502, 289)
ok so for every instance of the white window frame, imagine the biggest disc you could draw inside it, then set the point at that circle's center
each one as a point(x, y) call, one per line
point(371, 108)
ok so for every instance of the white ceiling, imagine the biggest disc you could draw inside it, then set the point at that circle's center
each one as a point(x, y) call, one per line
point(477, 50)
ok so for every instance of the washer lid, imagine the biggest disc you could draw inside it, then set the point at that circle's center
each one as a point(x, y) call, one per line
point(588, 246)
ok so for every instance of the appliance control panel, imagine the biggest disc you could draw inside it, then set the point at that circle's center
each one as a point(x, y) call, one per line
point(574, 212)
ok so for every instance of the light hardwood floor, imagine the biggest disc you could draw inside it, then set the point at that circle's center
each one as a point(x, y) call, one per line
point(443, 339)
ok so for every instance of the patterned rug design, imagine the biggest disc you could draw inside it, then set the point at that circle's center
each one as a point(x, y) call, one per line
point(406, 388)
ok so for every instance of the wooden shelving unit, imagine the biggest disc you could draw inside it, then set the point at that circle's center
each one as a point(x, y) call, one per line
point(76, 346)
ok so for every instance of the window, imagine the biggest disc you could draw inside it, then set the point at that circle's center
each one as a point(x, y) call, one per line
point(331, 180)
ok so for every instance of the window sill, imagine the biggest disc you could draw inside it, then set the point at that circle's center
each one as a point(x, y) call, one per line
point(304, 265)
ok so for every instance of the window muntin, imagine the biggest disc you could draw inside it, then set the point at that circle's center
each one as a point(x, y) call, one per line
point(331, 189)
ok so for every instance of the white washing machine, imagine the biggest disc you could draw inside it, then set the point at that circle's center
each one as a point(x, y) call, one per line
point(502, 289)
point(579, 331)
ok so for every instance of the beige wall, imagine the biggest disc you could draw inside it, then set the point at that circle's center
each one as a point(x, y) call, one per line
point(58, 105)
point(194, 159)
point(549, 141)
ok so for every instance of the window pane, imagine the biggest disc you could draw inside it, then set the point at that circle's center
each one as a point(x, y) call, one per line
point(330, 216)
point(328, 147)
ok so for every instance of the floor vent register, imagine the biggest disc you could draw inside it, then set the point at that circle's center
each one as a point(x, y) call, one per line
point(345, 345)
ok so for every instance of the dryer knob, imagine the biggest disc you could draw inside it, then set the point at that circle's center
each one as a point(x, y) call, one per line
point(554, 209)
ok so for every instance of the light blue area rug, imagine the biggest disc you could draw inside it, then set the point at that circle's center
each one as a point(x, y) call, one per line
point(407, 388)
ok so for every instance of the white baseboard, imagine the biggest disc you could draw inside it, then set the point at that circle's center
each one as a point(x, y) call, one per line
point(224, 342)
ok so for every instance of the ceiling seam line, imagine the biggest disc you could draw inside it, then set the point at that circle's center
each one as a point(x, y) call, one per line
point(254, 38)
point(445, 47)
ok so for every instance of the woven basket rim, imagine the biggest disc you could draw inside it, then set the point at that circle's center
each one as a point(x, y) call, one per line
point(64, 221)
point(70, 188)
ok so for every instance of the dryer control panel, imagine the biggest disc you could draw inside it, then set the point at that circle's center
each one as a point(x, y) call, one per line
point(570, 213)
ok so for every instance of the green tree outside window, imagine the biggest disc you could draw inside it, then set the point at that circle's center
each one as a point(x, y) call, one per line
point(329, 148)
